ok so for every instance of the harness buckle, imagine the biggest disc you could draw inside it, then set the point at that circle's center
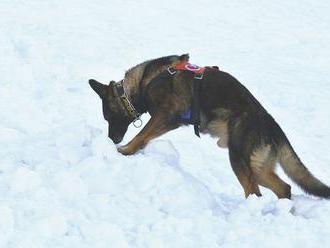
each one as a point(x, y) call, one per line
point(171, 70)
point(199, 76)
point(137, 122)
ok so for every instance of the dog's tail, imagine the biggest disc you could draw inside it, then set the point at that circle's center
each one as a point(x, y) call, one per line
point(297, 171)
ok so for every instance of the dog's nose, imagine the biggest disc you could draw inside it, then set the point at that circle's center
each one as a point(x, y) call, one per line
point(116, 139)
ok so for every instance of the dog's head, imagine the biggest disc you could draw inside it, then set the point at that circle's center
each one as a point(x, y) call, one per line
point(113, 111)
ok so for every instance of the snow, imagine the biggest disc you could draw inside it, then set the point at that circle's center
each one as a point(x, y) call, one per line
point(62, 182)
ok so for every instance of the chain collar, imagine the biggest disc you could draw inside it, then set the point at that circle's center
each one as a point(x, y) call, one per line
point(130, 110)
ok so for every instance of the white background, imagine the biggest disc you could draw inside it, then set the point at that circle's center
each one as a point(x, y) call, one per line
point(62, 183)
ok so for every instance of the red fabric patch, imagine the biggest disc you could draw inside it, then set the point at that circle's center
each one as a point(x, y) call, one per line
point(185, 66)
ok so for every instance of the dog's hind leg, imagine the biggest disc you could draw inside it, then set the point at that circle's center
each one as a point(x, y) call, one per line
point(276, 184)
point(156, 126)
point(263, 164)
point(244, 174)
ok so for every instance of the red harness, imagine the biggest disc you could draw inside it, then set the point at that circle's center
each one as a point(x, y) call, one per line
point(186, 66)
point(199, 71)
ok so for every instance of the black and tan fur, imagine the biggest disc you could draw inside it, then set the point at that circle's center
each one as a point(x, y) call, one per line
point(228, 111)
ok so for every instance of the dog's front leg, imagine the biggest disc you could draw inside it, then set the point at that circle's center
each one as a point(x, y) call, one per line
point(156, 126)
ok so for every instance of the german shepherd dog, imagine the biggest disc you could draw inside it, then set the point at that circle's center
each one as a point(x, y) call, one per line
point(228, 111)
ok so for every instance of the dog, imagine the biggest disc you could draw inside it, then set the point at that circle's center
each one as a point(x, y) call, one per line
point(227, 111)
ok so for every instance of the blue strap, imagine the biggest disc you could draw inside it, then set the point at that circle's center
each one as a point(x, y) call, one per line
point(186, 116)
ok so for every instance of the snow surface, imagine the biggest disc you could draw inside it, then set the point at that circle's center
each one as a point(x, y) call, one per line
point(62, 183)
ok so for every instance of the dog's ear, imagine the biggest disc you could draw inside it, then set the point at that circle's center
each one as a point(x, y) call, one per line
point(184, 57)
point(99, 88)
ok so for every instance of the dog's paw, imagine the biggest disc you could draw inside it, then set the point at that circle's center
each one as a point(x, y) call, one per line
point(125, 150)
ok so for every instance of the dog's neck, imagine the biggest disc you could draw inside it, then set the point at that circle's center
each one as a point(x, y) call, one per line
point(137, 80)
point(132, 82)
point(133, 85)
